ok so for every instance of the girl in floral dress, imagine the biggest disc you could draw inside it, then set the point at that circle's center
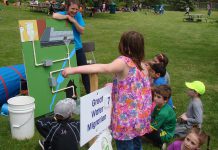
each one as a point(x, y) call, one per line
point(131, 91)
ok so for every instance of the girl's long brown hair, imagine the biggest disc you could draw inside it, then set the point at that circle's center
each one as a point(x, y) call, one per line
point(132, 45)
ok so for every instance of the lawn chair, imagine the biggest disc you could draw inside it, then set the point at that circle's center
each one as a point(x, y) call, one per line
point(89, 47)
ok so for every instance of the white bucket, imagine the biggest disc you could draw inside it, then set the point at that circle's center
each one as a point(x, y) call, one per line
point(21, 113)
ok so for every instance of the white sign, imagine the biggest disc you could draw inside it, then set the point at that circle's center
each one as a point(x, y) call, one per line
point(95, 113)
point(103, 141)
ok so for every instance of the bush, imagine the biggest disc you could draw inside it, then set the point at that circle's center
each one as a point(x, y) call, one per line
point(121, 5)
point(168, 7)
point(11, 1)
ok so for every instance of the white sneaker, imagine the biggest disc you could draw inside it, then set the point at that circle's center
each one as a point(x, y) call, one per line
point(41, 143)
point(164, 146)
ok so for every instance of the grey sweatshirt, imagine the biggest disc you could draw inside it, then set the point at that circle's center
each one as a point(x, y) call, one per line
point(195, 112)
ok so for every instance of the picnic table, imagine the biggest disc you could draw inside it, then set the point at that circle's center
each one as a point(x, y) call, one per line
point(42, 7)
point(195, 18)
point(89, 11)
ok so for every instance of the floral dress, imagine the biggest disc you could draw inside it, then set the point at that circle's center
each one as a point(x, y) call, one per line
point(131, 97)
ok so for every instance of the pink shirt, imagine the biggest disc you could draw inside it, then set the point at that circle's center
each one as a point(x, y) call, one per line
point(131, 97)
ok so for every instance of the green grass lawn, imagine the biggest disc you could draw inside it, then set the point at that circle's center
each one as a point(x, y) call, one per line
point(192, 49)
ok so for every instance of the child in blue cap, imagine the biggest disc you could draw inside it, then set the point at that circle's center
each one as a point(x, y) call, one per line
point(194, 114)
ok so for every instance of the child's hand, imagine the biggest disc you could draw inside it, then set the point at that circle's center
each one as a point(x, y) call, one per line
point(66, 72)
point(184, 117)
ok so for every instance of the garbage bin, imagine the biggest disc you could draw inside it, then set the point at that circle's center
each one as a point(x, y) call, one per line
point(112, 8)
point(156, 9)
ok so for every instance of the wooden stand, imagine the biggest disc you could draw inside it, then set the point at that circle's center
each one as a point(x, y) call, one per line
point(93, 82)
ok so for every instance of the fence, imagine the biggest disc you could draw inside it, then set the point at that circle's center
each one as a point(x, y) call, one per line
point(203, 5)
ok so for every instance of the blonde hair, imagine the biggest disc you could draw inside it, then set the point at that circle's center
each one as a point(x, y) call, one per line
point(202, 136)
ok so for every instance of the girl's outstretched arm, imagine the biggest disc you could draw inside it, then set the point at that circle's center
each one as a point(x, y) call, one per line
point(117, 66)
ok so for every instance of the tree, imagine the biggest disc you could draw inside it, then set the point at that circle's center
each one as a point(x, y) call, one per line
point(181, 4)
point(155, 2)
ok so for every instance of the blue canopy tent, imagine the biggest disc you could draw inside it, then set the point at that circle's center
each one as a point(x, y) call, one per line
point(10, 78)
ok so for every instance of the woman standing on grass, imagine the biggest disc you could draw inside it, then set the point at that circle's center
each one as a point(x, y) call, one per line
point(78, 26)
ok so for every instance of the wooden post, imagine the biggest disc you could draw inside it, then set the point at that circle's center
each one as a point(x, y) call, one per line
point(93, 82)
point(93, 87)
